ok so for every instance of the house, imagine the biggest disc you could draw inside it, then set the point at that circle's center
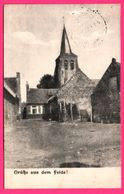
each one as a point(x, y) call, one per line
point(12, 99)
point(37, 102)
point(106, 96)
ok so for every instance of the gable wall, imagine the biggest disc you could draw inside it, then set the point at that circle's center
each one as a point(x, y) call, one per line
point(106, 97)
point(11, 108)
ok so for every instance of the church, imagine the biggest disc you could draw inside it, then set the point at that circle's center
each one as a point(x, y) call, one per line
point(71, 99)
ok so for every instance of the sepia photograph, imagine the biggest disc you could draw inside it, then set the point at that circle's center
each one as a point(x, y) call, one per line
point(62, 87)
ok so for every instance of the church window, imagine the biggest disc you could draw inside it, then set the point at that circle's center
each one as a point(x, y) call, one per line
point(72, 64)
point(66, 64)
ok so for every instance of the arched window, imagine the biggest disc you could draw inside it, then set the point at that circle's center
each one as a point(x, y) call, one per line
point(72, 64)
point(66, 64)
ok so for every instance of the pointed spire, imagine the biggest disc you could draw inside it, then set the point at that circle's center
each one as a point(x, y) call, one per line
point(63, 21)
point(65, 45)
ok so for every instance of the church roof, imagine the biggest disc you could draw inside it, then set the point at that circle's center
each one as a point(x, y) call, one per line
point(65, 45)
point(65, 48)
point(39, 96)
point(77, 87)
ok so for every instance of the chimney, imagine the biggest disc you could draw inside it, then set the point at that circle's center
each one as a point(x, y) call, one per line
point(113, 60)
point(18, 92)
point(27, 89)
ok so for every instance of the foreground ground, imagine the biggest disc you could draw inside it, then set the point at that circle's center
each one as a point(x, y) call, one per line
point(38, 144)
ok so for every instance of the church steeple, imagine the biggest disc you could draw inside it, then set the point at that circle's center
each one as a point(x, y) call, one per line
point(65, 45)
point(66, 63)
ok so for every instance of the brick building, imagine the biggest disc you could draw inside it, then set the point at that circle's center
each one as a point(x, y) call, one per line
point(106, 96)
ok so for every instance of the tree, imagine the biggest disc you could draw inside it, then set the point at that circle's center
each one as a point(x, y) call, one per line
point(47, 81)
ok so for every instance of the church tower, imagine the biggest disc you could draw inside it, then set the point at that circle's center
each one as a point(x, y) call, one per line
point(66, 63)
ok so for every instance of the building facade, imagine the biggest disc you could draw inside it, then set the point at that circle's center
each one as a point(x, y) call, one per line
point(12, 99)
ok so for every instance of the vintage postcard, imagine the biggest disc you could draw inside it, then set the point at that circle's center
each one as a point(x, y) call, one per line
point(62, 96)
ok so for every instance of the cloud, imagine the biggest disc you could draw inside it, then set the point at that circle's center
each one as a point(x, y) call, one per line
point(27, 38)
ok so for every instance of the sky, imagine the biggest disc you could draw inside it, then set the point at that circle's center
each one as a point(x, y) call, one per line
point(32, 38)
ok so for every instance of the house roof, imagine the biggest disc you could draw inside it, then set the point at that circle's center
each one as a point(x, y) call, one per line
point(39, 96)
point(77, 87)
point(11, 83)
point(7, 88)
point(112, 70)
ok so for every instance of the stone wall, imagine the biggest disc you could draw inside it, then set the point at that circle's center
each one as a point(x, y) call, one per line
point(62, 74)
point(106, 108)
point(106, 96)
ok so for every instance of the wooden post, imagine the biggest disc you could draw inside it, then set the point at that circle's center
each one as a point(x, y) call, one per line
point(91, 115)
point(65, 110)
point(71, 111)
point(50, 108)
point(60, 107)
point(79, 114)
point(60, 110)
